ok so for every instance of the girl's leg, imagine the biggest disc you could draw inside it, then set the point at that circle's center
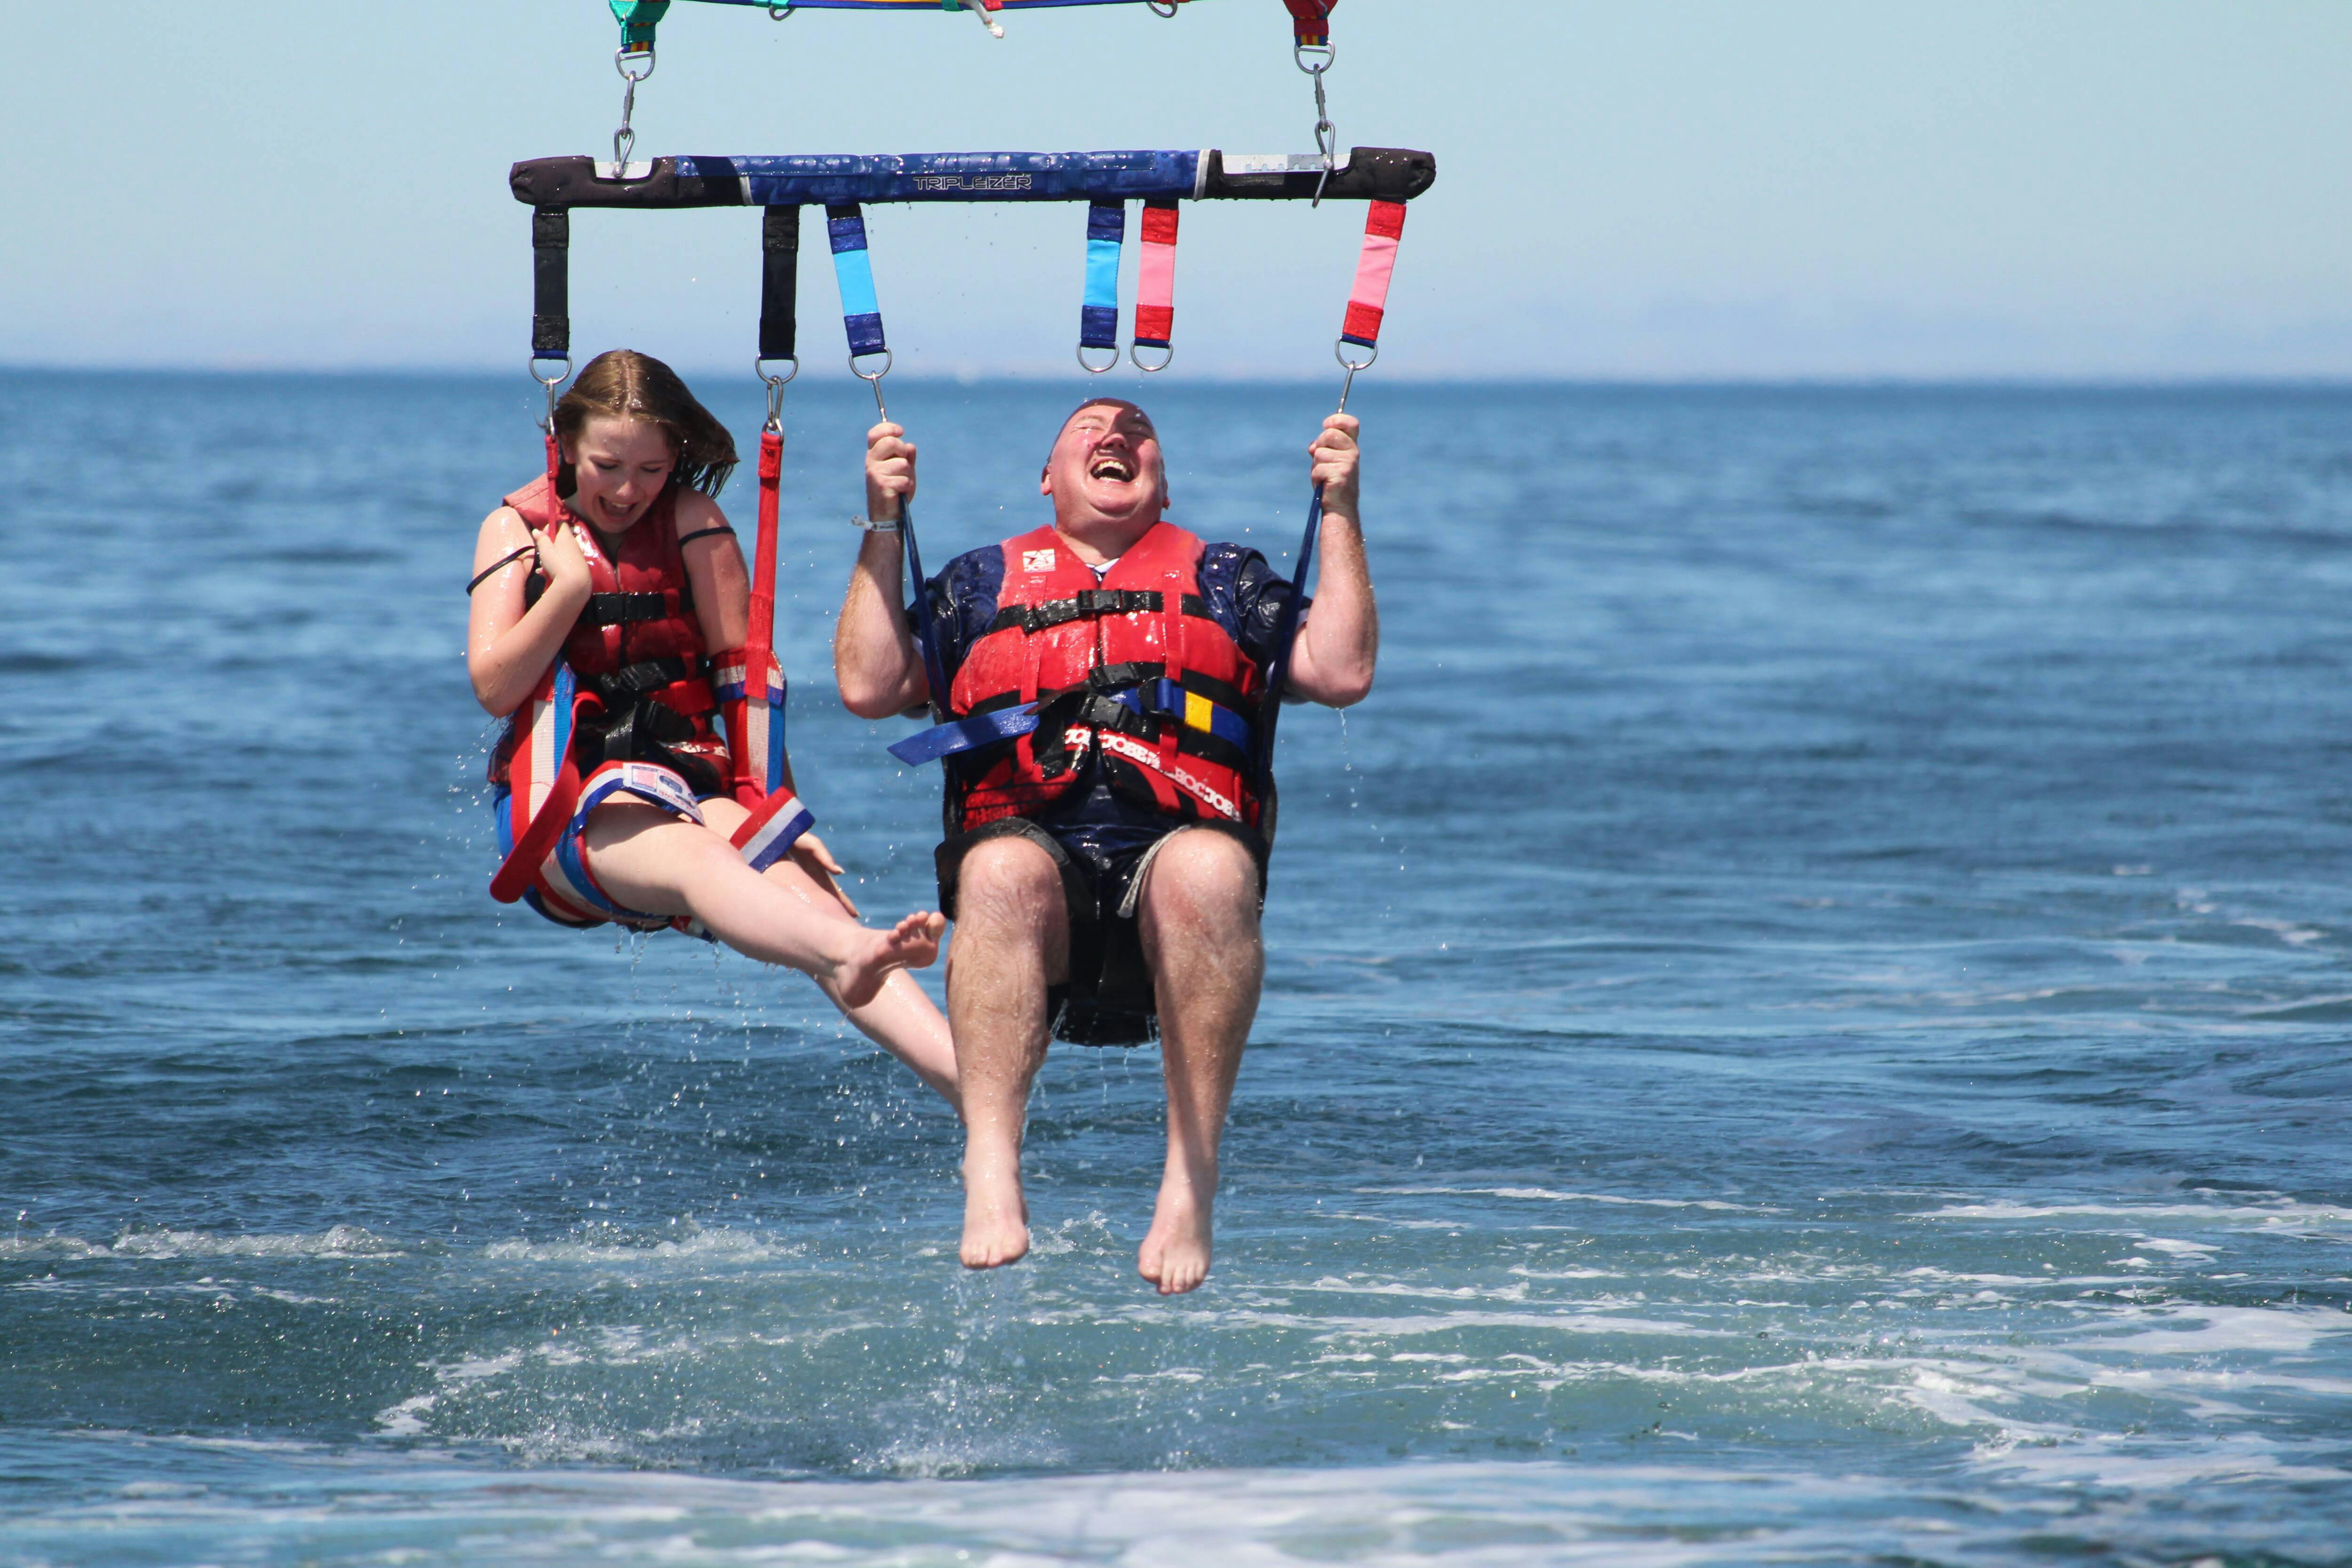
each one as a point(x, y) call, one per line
point(901, 1020)
point(646, 860)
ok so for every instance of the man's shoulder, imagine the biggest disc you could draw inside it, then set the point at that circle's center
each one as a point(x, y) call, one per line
point(985, 564)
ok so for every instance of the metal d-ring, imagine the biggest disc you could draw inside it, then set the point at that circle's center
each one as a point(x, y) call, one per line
point(778, 12)
point(874, 380)
point(1169, 14)
point(776, 385)
point(551, 383)
point(1097, 369)
point(1151, 370)
point(1340, 352)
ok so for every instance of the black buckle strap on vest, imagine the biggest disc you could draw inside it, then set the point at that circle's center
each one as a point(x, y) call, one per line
point(1092, 704)
point(551, 306)
point(620, 608)
point(1094, 602)
point(641, 679)
point(780, 269)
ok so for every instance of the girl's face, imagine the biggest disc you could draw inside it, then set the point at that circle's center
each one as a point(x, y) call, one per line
point(619, 464)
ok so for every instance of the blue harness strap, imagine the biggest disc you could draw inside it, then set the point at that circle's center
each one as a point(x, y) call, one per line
point(965, 735)
point(1285, 637)
point(1098, 317)
point(852, 269)
point(1162, 698)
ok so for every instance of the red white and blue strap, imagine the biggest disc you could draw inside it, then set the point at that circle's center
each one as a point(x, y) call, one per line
point(1155, 290)
point(1369, 301)
point(771, 829)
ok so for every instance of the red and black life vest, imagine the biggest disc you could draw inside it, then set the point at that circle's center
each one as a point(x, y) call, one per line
point(636, 644)
point(1131, 666)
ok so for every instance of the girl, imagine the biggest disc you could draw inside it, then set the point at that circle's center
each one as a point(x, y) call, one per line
point(625, 568)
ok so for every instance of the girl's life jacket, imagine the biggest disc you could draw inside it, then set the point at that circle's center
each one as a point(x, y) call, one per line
point(636, 645)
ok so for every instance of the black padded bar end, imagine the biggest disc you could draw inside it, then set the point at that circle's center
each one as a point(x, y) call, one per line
point(780, 269)
point(551, 288)
point(1372, 174)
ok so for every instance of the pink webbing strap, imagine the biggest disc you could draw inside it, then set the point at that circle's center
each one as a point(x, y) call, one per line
point(1370, 300)
point(1155, 302)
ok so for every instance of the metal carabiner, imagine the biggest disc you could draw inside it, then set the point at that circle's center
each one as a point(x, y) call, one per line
point(1340, 352)
point(1169, 14)
point(551, 382)
point(874, 380)
point(776, 385)
point(1327, 135)
point(624, 140)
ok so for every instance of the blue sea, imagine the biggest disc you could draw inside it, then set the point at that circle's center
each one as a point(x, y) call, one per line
point(1809, 1020)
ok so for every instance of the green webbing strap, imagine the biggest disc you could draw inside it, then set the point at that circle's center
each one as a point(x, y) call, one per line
point(638, 18)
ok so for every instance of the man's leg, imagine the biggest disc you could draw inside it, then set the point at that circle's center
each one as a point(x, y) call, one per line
point(1012, 940)
point(1199, 922)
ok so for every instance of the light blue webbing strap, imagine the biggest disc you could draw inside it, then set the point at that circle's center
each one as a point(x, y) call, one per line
point(852, 269)
point(1098, 317)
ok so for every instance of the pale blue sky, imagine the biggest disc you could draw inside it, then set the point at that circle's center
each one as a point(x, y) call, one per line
point(1642, 188)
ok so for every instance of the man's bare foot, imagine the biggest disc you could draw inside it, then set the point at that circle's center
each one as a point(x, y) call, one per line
point(996, 1214)
point(912, 944)
point(1175, 1252)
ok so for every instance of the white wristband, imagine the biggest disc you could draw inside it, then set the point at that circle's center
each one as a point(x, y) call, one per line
point(887, 526)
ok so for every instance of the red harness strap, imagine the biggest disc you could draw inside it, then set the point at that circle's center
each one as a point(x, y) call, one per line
point(1311, 22)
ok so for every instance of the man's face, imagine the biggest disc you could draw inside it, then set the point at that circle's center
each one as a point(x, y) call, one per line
point(1107, 462)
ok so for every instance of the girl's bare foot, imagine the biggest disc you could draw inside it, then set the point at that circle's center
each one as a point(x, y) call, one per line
point(996, 1214)
point(912, 944)
point(1175, 1252)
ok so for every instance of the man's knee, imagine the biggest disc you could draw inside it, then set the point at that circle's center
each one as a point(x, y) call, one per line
point(1008, 882)
point(1200, 876)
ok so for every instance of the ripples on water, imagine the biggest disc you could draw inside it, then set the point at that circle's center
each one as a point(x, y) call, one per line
point(1807, 1022)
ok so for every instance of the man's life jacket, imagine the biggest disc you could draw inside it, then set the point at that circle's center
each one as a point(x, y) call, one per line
point(1130, 666)
point(636, 645)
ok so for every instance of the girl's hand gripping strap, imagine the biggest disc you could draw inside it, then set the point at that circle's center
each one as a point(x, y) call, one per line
point(751, 691)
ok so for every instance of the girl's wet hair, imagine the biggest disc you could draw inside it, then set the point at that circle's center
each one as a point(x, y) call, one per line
point(622, 383)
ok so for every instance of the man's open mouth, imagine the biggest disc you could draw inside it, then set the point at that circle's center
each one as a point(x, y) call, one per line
point(1111, 466)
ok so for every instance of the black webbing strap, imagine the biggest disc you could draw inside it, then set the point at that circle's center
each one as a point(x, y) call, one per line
point(779, 268)
point(641, 679)
point(620, 608)
point(551, 288)
point(1092, 603)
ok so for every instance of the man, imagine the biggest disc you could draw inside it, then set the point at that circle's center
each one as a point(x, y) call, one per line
point(1107, 865)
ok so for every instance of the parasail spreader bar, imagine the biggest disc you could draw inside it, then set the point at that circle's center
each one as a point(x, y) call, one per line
point(1367, 173)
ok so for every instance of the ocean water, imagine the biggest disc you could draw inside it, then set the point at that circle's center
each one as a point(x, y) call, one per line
point(1807, 1021)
